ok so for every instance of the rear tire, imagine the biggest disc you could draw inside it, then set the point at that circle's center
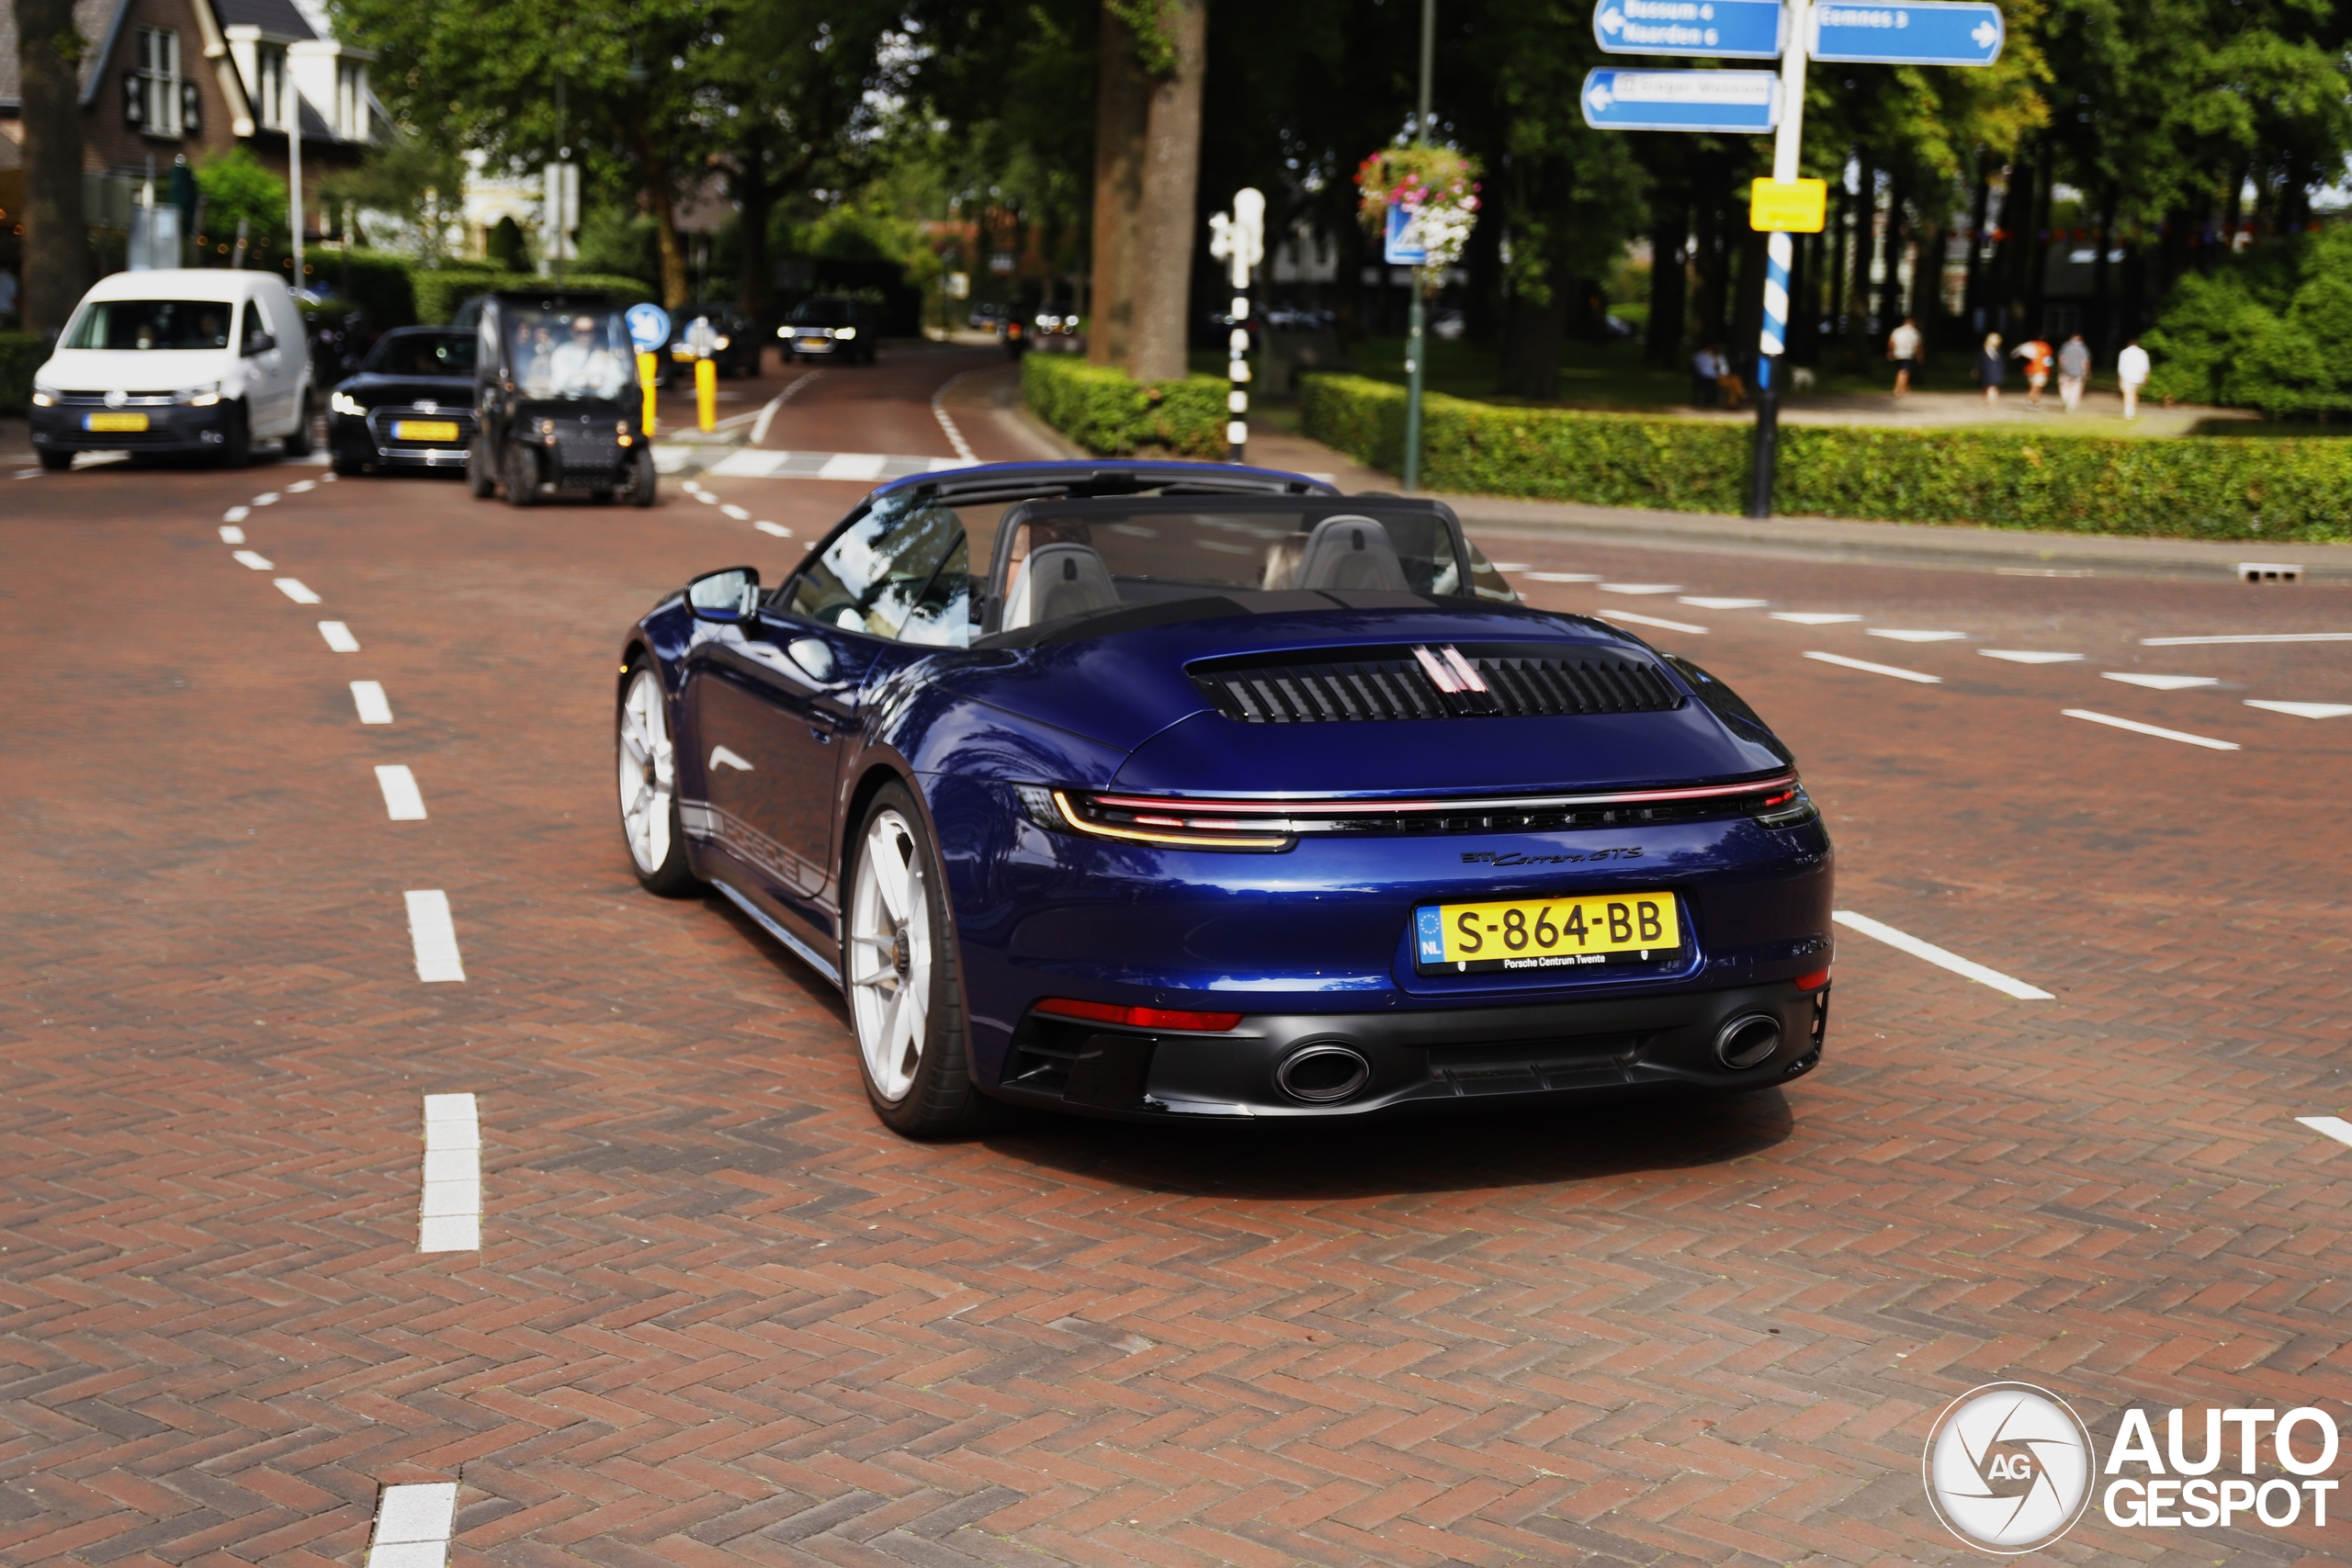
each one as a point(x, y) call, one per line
point(906, 998)
point(649, 785)
point(298, 440)
point(57, 462)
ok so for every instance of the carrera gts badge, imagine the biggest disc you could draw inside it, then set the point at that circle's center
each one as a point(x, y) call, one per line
point(1489, 857)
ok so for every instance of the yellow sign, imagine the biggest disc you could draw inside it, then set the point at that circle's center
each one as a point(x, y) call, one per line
point(1799, 207)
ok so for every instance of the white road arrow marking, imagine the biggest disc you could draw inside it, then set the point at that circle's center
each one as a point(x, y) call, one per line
point(720, 757)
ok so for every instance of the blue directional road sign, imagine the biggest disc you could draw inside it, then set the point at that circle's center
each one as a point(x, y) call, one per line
point(649, 326)
point(1734, 101)
point(1908, 35)
point(1710, 29)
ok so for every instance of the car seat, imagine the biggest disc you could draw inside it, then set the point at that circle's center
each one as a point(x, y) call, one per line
point(1057, 582)
point(1352, 553)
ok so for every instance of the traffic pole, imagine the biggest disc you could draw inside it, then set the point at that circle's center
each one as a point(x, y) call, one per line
point(645, 373)
point(1237, 396)
point(707, 395)
point(1780, 256)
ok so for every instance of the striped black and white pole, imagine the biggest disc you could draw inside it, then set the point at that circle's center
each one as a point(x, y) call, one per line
point(1236, 397)
point(1780, 256)
point(1238, 240)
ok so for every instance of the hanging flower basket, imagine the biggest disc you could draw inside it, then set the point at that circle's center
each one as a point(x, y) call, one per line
point(1437, 190)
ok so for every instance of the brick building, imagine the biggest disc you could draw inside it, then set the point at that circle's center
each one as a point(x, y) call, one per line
point(167, 80)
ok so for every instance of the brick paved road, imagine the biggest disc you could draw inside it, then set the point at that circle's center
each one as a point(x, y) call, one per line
point(719, 1315)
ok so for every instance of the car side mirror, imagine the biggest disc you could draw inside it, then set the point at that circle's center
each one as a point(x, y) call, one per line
point(260, 343)
point(727, 596)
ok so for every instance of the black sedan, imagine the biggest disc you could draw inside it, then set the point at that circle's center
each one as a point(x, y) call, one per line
point(412, 404)
point(734, 347)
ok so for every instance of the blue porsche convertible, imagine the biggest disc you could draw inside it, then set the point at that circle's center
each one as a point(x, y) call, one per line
point(1170, 790)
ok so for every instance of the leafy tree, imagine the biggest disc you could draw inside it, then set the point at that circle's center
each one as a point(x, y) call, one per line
point(237, 188)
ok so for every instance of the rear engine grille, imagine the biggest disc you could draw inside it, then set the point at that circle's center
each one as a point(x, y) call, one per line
point(1435, 681)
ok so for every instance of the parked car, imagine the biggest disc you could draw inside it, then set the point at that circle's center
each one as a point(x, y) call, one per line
point(989, 317)
point(831, 326)
point(411, 404)
point(188, 360)
point(1191, 793)
point(556, 401)
point(735, 340)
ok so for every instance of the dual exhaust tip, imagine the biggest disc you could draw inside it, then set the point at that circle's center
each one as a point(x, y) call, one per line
point(1327, 1072)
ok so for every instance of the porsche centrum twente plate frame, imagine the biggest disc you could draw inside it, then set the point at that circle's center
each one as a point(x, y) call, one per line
point(1545, 933)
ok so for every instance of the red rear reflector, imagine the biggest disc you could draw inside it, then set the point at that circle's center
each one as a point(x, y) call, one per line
point(1813, 981)
point(1139, 1018)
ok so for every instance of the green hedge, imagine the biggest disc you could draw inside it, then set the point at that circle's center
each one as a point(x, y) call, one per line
point(2194, 487)
point(1107, 411)
point(21, 354)
point(440, 290)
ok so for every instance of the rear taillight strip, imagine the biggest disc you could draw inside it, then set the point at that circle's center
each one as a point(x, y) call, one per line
point(1782, 785)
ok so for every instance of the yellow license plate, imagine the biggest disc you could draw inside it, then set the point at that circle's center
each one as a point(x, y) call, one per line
point(682, 351)
point(425, 430)
point(115, 423)
point(1545, 933)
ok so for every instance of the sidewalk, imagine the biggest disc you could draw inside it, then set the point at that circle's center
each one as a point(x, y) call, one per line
point(1959, 548)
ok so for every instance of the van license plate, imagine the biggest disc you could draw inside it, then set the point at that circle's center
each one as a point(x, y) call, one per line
point(114, 423)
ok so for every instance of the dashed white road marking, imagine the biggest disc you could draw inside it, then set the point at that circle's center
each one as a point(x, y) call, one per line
point(266, 498)
point(947, 421)
point(293, 589)
point(736, 512)
point(300, 485)
point(2160, 733)
point(1839, 659)
point(779, 529)
point(1651, 621)
point(414, 1524)
point(338, 636)
point(368, 697)
point(231, 534)
point(1562, 576)
point(2303, 710)
point(433, 935)
point(2158, 682)
point(252, 561)
point(704, 497)
point(1813, 617)
point(2335, 1127)
point(1707, 601)
point(853, 465)
point(2028, 655)
point(449, 1217)
point(1896, 634)
point(236, 515)
point(2261, 636)
point(1640, 588)
point(1906, 942)
point(403, 802)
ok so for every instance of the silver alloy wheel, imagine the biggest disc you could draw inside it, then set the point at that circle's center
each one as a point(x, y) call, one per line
point(889, 956)
point(649, 773)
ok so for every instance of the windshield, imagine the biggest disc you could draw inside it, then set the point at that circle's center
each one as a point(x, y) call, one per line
point(151, 323)
point(578, 353)
point(1076, 557)
point(823, 312)
point(423, 354)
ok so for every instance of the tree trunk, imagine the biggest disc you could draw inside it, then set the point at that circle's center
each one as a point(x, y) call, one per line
point(2102, 322)
point(1167, 224)
point(1715, 259)
point(755, 194)
point(1868, 261)
point(1747, 316)
point(1805, 264)
point(1531, 359)
point(2037, 252)
point(1122, 106)
point(1841, 217)
point(1971, 293)
point(1670, 230)
point(57, 238)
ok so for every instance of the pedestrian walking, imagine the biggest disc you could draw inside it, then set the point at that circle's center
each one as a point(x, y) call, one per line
point(1990, 367)
point(1727, 377)
point(2132, 372)
point(2037, 356)
point(1903, 347)
point(2073, 369)
point(1706, 371)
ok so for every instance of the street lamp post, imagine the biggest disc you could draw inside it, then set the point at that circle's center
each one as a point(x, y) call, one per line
point(1416, 317)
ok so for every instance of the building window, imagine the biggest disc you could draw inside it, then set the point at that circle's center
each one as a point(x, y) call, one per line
point(351, 100)
point(270, 86)
point(151, 93)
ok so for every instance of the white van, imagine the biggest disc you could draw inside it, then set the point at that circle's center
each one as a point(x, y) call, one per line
point(179, 359)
